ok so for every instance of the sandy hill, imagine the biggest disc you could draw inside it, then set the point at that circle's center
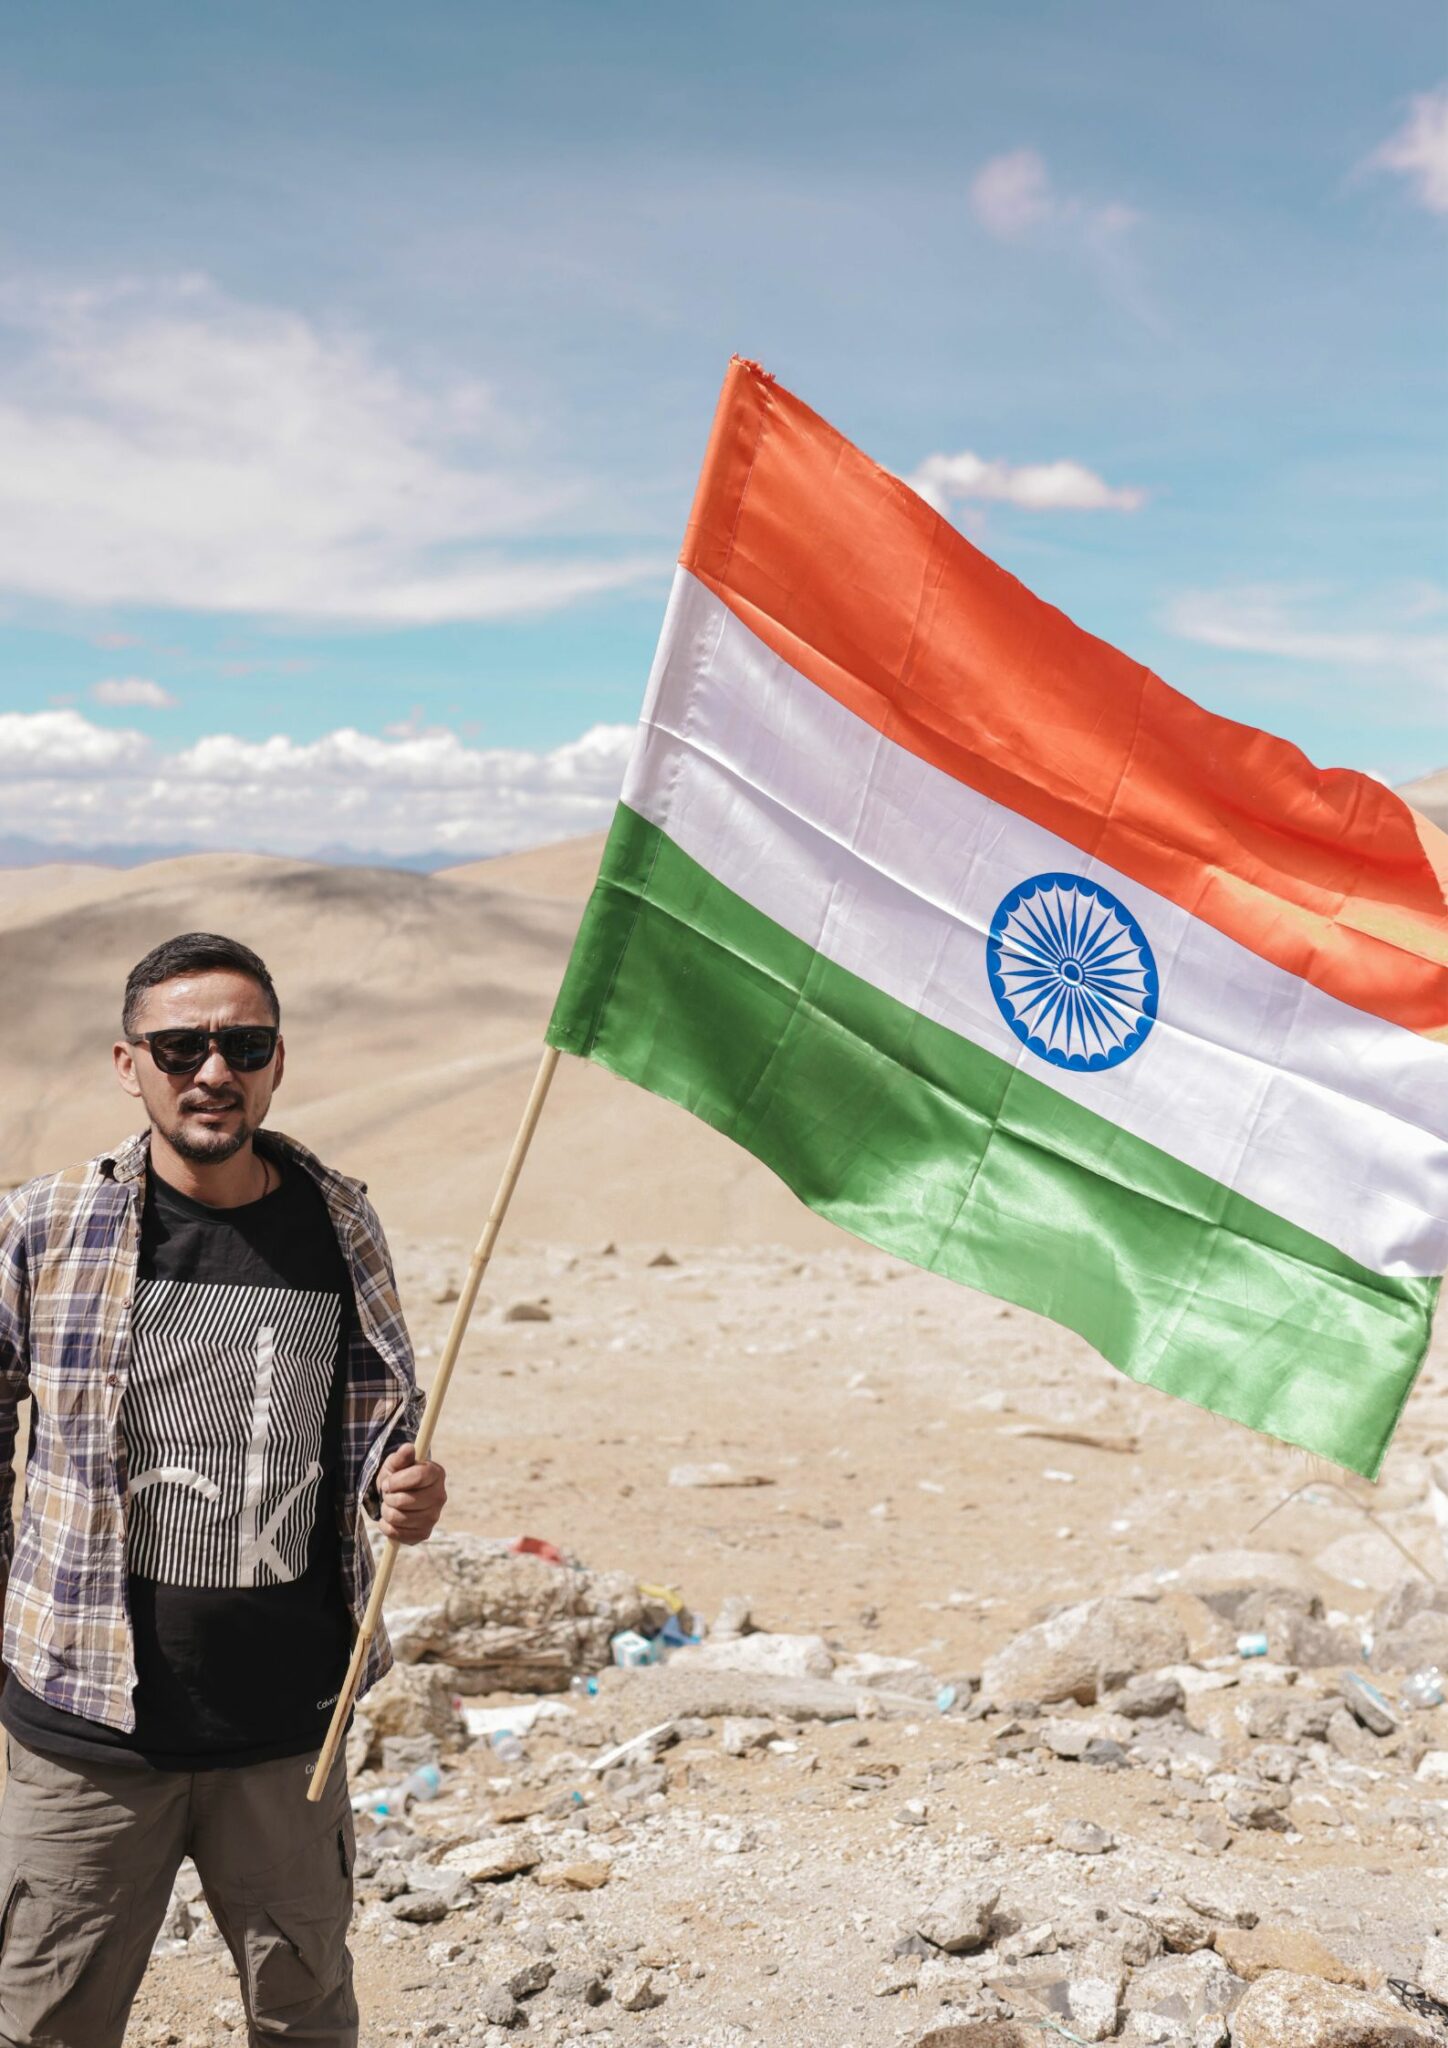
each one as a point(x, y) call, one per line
point(414, 1007)
point(1429, 794)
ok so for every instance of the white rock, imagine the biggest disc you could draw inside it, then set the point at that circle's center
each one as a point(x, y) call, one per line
point(783, 1656)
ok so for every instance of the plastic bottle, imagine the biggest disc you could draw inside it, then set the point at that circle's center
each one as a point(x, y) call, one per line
point(1423, 1689)
point(583, 1688)
point(506, 1747)
point(423, 1783)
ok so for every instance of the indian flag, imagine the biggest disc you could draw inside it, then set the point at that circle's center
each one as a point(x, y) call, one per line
point(1018, 964)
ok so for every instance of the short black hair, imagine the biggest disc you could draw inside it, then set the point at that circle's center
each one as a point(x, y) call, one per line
point(193, 953)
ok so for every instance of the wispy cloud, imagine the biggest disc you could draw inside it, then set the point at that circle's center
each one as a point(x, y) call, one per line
point(1304, 625)
point(124, 692)
point(70, 782)
point(1014, 195)
point(1418, 150)
point(168, 447)
point(943, 480)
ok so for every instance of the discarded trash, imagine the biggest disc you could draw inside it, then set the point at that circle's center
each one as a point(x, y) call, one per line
point(945, 1699)
point(1092, 1439)
point(537, 1546)
point(1422, 1689)
point(483, 1723)
point(1368, 1705)
point(630, 1649)
point(674, 1636)
point(583, 1686)
point(423, 1783)
point(1253, 1645)
point(506, 1746)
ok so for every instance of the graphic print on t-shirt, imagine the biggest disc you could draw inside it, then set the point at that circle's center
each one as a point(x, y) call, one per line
point(223, 1421)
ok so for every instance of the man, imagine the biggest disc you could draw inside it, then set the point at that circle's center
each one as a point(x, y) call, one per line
point(208, 1326)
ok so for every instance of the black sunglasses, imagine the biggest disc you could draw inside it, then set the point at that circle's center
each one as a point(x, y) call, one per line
point(246, 1048)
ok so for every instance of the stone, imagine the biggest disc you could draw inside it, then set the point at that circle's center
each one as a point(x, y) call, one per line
point(634, 1992)
point(1282, 2010)
point(778, 1656)
point(1433, 1968)
point(504, 1620)
point(582, 1987)
point(1084, 1838)
point(1433, 1767)
point(1405, 1600)
point(1182, 1929)
point(900, 1974)
point(1148, 1695)
point(1363, 1557)
point(573, 1877)
point(1094, 1991)
point(715, 1474)
point(1185, 1988)
point(980, 2034)
point(499, 2007)
point(1277, 1762)
point(876, 1673)
point(1084, 1651)
point(421, 1909)
point(527, 1312)
point(740, 1736)
point(959, 1918)
point(1213, 1833)
point(1015, 1948)
point(407, 1701)
point(486, 1861)
point(1252, 1952)
point(1294, 1638)
point(1421, 1640)
point(530, 1978)
point(1253, 1805)
point(1211, 1571)
point(733, 1619)
point(1071, 1738)
point(681, 1688)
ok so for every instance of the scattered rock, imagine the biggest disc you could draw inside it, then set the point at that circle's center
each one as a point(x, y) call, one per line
point(1085, 1651)
point(1254, 1805)
point(504, 1620)
point(581, 1987)
point(779, 1656)
point(1185, 1988)
point(1433, 1968)
point(959, 1918)
point(901, 1973)
point(487, 1861)
point(715, 1475)
point(1181, 1928)
point(740, 1737)
point(573, 1877)
point(1286, 2011)
point(499, 2007)
point(1094, 1991)
point(1084, 1838)
point(634, 1992)
point(527, 1312)
point(663, 1258)
point(1252, 1952)
point(408, 1701)
point(1422, 1640)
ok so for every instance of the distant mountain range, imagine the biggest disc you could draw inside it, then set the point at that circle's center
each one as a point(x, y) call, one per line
point(16, 851)
point(1428, 794)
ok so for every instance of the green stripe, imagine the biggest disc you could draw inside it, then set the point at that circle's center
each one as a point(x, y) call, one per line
point(939, 1152)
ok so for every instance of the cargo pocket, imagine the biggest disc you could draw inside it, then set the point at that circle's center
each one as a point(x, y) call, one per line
point(63, 1942)
point(296, 1957)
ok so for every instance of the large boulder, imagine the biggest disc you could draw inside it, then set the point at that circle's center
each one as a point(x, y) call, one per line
point(1282, 2010)
point(1084, 1652)
point(505, 1622)
point(1421, 1640)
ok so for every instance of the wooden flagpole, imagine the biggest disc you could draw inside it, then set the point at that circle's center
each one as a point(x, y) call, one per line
point(477, 1266)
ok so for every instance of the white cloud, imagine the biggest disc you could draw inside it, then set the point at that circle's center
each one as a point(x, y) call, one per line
point(124, 691)
point(1033, 486)
point(1011, 194)
point(70, 782)
point(1295, 624)
point(170, 448)
point(1419, 150)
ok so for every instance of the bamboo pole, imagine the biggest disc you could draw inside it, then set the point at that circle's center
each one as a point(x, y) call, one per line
point(477, 1266)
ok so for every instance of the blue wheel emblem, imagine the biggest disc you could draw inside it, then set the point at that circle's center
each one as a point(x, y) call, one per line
point(1072, 972)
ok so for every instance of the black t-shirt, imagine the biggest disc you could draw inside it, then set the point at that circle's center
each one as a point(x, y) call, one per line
point(232, 1423)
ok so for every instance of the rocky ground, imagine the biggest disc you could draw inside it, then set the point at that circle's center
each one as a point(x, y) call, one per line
point(969, 1756)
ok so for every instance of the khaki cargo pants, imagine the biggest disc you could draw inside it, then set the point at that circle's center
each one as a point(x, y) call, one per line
point(88, 1854)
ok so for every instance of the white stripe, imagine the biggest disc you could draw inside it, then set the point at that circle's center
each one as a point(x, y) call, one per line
point(1321, 1113)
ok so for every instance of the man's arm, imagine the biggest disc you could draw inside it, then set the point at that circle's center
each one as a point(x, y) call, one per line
point(14, 1369)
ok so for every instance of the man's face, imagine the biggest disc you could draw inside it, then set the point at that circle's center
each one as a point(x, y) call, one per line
point(209, 1115)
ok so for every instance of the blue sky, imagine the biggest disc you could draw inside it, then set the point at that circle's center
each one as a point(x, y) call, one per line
point(356, 362)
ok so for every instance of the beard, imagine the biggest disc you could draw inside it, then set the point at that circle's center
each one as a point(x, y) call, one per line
point(203, 1147)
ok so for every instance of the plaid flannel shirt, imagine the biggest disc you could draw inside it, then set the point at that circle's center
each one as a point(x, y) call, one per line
point(69, 1245)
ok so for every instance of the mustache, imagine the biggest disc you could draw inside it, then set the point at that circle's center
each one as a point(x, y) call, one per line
point(228, 1099)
